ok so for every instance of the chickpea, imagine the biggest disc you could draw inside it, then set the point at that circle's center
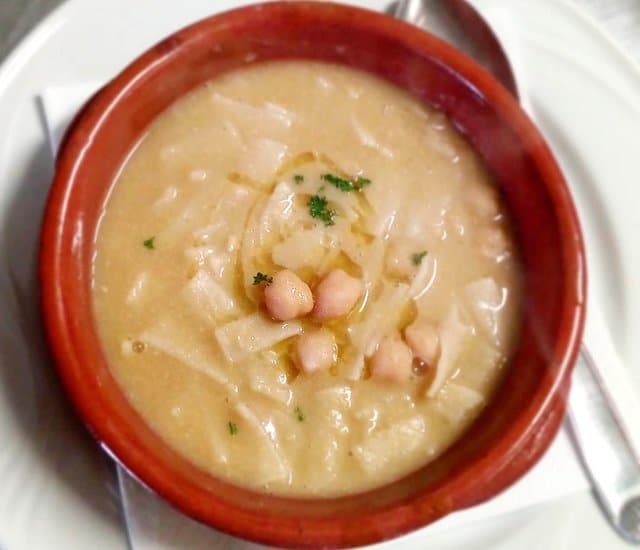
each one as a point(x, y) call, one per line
point(288, 296)
point(424, 341)
point(336, 294)
point(316, 351)
point(392, 361)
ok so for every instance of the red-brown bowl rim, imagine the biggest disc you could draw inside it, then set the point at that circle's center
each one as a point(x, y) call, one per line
point(542, 417)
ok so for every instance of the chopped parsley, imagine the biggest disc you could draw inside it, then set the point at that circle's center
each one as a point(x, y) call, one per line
point(233, 428)
point(361, 182)
point(345, 184)
point(149, 243)
point(418, 257)
point(299, 414)
point(260, 277)
point(298, 178)
point(319, 208)
point(338, 182)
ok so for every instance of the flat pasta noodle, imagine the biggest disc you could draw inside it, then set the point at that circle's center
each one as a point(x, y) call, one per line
point(267, 118)
point(209, 299)
point(274, 465)
point(367, 139)
point(250, 248)
point(485, 301)
point(379, 319)
point(163, 338)
point(261, 158)
point(329, 424)
point(277, 210)
point(391, 443)
point(231, 212)
point(247, 335)
point(454, 401)
point(267, 378)
point(306, 248)
point(453, 334)
point(370, 258)
point(424, 277)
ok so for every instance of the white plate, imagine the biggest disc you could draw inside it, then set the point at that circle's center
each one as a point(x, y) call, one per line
point(55, 487)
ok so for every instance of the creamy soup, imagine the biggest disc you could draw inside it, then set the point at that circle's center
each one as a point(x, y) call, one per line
point(305, 280)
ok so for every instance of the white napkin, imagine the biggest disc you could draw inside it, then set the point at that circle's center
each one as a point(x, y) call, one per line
point(154, 525)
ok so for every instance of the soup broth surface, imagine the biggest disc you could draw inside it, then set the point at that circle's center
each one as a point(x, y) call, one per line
point(360, 195)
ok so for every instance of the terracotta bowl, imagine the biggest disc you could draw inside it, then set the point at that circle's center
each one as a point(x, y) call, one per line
point(522, 420)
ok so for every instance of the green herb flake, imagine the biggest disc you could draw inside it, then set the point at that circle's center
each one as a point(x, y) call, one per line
point(338, 182)
point(418, 257)
point(319, 208)
point(362, 182)
point(344, 184)
point(149, 243)
point(259, 278)
point(299, 414)
point(298, 178)
point(233, 428)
